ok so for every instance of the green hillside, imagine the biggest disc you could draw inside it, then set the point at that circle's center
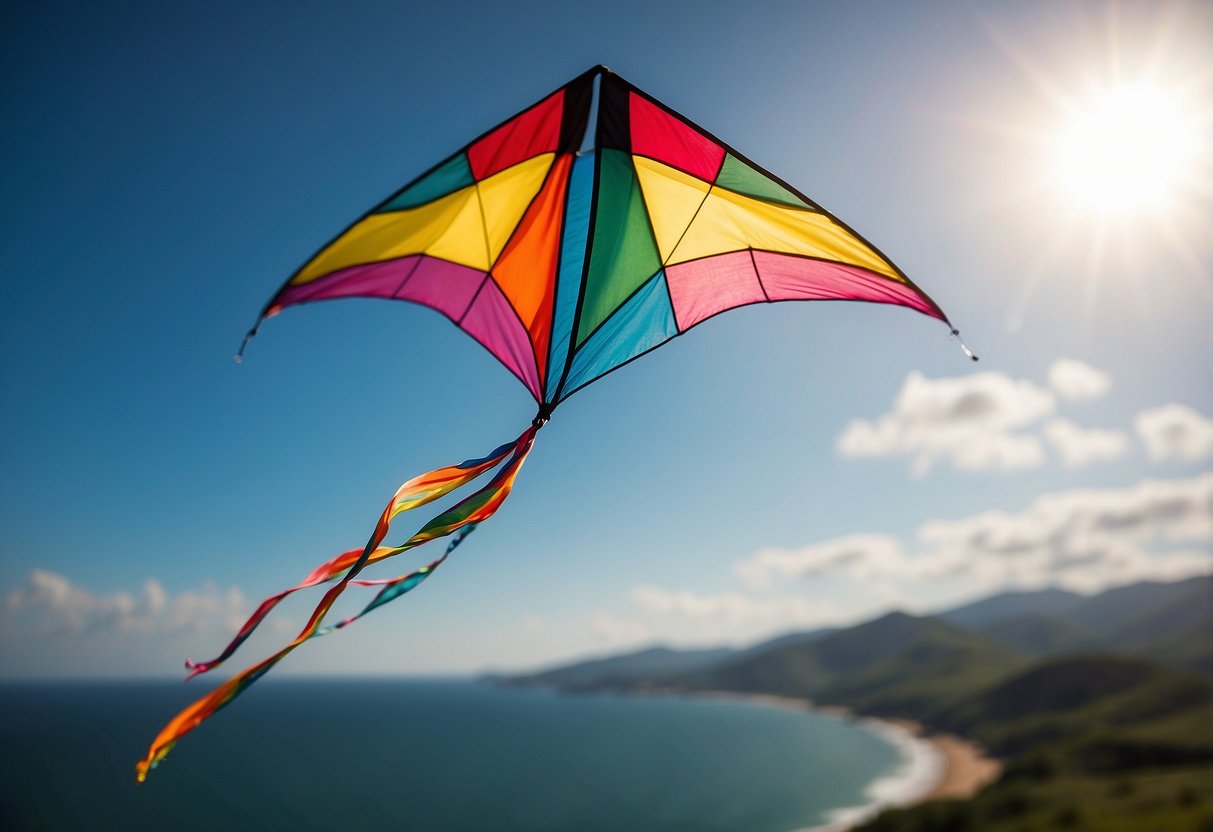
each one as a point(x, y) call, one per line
point(1092, 702)
point(1039, 635)
point(1090, 742)
point(898, 664)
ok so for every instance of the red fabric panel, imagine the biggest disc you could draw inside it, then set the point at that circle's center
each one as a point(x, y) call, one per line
point(661, 136)
point(533, 132)
point(701, 288)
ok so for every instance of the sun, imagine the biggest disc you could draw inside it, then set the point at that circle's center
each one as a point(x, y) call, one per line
point(1126, 149)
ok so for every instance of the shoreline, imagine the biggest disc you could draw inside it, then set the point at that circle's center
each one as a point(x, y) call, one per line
point(934, 766)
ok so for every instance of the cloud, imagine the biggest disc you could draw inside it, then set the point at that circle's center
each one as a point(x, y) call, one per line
point(730, 607)
point(1079, 446)
point(618, 632)
point(1077, 381)
point(1084, 539)
point(51, 602)
point(1175, 431)
point(968, 421)
point(857, 556)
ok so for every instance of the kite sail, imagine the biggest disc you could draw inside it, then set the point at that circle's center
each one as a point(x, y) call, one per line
point(565, 263)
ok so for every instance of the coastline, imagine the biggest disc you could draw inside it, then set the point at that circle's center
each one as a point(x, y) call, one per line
point(934, 767)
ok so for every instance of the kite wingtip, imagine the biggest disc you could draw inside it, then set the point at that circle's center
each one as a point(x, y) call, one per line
point(248, 336)
point(963, 346)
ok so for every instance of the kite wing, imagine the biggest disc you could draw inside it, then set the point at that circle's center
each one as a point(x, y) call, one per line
point(564, 263)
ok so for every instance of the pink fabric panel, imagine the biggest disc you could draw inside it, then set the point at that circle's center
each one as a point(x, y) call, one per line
point(786, 277)
point(442, 285)
point(494, 323)
point(438, 284)
point(661, 136)
point(701, 288)
point(373, 280)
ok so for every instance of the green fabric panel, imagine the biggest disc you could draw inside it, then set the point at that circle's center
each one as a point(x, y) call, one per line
point(447, 178)
point(624, 254)
point(737, 176)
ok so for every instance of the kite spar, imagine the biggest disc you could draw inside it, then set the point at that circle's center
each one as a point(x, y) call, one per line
point(565, 264)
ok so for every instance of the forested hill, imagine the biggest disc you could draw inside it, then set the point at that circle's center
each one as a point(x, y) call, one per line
point(1101, 706)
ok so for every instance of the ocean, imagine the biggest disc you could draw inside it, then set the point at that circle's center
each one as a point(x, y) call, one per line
point(353, 754)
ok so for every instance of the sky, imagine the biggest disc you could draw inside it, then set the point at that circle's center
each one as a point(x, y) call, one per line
point(784, 467)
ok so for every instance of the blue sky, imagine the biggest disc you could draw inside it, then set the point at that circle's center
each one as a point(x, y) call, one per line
point(784, 466)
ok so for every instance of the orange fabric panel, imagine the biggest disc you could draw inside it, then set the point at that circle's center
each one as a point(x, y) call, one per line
point(526, 270)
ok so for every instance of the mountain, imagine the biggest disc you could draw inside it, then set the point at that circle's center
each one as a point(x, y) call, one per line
point(1039, 635)
point(643, 668)
point(1007, 605)
point(789, 640)
point(899, 660)
point(1148, 610)
point(896, 664)
point(1169, 622)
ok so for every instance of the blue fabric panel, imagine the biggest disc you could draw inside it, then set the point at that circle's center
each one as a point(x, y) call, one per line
point(572, 258)
point(447, 178)
point(643, 322)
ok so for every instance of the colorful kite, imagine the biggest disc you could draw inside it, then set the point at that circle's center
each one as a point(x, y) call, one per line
point(566, 264)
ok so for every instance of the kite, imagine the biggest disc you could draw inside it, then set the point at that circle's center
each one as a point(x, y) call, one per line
point(566, 263)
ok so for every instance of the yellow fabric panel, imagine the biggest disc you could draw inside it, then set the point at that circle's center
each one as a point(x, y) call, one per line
point(730, 221)
point(671, 197)
point(401, 233)
point(452, 227)
point(506, 196)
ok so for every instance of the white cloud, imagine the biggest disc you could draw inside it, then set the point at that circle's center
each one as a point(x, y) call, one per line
point(859, 556)
point(1078, 381)
point(968, 421)
point(1175, 431)
point(1079, 446)
point(619, 632)
point(731, 607)
point(53, 603)
point(1084, 539)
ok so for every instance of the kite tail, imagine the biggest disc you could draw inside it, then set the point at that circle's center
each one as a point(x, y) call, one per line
point(470, 511)
point(393, 588)
point(414, 493)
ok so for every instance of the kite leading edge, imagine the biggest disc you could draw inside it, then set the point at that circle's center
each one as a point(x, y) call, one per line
point(565, 264)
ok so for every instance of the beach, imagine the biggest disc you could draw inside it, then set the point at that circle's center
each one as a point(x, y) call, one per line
point(935, 767)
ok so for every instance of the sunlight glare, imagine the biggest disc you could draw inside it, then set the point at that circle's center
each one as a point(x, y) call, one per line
point(1126, 149)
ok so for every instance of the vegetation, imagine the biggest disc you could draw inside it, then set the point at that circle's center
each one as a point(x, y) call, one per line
point(1100, 707)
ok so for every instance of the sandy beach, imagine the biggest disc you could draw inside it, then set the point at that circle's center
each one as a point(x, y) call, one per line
point(937, 766)
point(967, 768)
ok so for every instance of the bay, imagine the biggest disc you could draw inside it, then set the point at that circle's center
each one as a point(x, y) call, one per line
point(342, 754)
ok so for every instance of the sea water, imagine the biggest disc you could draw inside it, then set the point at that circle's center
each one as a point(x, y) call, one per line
point(343, 754)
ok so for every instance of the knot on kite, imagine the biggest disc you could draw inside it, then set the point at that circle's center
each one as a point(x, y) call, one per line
point(543, 416)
